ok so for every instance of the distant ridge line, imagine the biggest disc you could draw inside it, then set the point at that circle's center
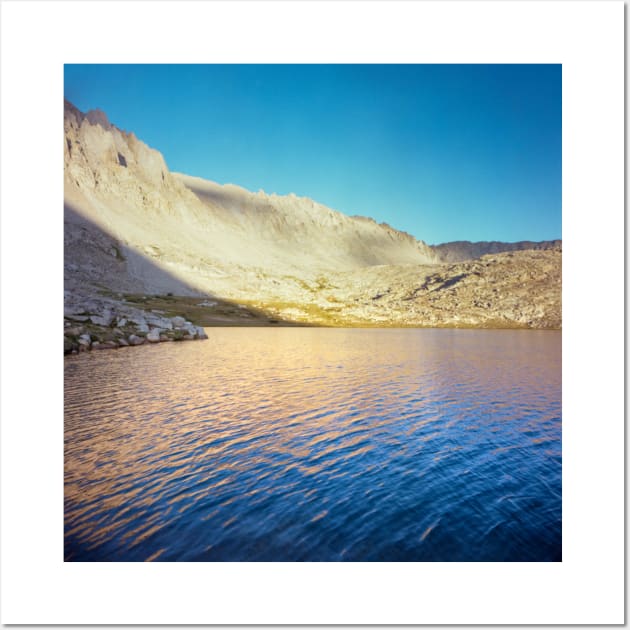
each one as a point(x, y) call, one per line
point(459, 251)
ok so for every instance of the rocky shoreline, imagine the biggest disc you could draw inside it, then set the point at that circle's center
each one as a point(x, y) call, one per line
point(102, 324)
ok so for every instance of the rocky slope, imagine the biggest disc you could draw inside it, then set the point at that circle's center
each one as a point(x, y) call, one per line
point(133, 228)
point(458, 251)
point(507, 290)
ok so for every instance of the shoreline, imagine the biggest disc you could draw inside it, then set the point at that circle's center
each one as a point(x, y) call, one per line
point(111, 321)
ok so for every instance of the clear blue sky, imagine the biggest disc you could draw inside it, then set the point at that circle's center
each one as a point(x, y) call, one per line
point(445, 152)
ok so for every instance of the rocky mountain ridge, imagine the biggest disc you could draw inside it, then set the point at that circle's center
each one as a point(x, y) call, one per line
point(134, 227)
point(459, 251)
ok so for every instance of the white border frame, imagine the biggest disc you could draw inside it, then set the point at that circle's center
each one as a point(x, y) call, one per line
point(37, 38)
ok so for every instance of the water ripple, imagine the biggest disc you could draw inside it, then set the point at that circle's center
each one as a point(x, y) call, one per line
point(305, 444)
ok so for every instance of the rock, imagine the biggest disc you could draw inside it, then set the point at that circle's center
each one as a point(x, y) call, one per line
point(86, 337)
point(178, 321)
point(105, 319)
point(121, 321)
point(143, 328)
point(160, 322)
point(74, 330)
point(134, 340)
point(72, 310)
point(154, 335)
point(78, 318)
point(201, 333)
point(122, 342)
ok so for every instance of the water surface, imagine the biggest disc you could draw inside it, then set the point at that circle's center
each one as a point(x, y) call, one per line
point(296, 444)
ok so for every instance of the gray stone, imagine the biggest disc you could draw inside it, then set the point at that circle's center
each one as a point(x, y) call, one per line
point(154, 335)
point(105, 319)
point(122, 342)
point(178, 321)
point(134, 340)
point(160, 322)
point(121, 321)
point(143, 328)
point(72, 310)
point(139, 320)
point(201, 333)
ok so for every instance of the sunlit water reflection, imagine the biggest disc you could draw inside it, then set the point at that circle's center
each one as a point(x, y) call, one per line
point(317, 444)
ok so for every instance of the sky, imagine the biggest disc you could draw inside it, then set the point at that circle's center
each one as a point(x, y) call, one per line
point(444, 152)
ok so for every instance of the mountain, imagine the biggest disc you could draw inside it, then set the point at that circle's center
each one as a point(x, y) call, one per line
point(458, 251)
point(203, 231)
point(133, 228)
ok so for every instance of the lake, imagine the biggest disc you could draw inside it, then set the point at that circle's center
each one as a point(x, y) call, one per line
point(307, 444)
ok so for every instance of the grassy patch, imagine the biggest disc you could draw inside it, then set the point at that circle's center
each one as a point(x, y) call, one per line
point(222, 313)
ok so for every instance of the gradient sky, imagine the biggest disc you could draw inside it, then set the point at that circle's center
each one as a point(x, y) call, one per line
point(445, 152)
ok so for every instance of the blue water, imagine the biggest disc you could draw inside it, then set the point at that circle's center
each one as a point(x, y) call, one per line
point(301, 444)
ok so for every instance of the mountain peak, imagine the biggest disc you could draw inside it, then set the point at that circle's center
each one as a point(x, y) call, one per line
point(98, 117)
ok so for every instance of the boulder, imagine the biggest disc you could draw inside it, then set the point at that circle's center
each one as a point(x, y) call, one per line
point(178, 321)
point(122, 342)
point(85, 339)
point(154, 335)
point(201, 333)
point(160, 322)
point(104, 319)
point(134, 340)
point(121, 321)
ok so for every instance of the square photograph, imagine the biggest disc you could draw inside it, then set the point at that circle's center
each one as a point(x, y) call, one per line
point(313, 313)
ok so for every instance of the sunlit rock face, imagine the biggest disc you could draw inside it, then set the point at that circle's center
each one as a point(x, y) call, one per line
point(133, 226)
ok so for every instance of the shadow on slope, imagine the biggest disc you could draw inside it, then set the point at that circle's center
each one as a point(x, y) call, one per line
point(95, 262)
